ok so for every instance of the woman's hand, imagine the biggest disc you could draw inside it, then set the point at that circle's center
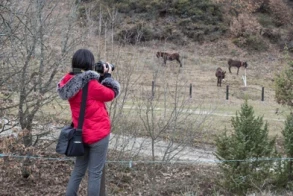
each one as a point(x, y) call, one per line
point(107, 68)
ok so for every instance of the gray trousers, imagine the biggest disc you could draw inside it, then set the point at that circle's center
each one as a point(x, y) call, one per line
point(94, 159)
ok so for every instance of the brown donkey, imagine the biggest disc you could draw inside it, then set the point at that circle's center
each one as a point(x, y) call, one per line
point(169, 56)
point(235, 63)
point(220, 74)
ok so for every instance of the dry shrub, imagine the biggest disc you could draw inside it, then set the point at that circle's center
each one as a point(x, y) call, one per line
point(278, 8)
point(12, 144)
point(273, 35)
point(252, 6)
point(33, 170)
point(12, 148)
point(290, 34)
point(281, 11)
point(244, 25)
point(242, 6)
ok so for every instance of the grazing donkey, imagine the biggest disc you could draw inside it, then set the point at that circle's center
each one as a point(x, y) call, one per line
point(220, 74)
point(235, 63)
point(169, 56)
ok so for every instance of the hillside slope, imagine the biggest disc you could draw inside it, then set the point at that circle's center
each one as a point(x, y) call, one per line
point(254, 25)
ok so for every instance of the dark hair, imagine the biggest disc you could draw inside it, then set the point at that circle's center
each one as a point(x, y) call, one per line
point(83, 59)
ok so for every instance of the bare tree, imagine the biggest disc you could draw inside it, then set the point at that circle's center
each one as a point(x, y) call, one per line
point(165, 115)
point(39, 37)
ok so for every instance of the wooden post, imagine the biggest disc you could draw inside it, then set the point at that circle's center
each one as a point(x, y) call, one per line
point(244, 77)
point(190, 91)
point(227, 92)
point(262, 93)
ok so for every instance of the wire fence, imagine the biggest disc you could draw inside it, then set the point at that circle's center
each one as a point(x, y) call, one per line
point(193, 91)
point(122, 177)
point(131, 162)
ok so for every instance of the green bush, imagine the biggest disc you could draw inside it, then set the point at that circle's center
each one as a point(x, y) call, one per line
point(202, 32)
point(284, 86)
point(200, 11)
point(242, 151)
point(266, 20)
point(142, 6)
point(288, 143)
point(139, 33)
point(283, 170)
point(252, 43)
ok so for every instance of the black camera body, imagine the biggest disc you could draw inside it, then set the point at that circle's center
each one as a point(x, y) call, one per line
point(100, 68)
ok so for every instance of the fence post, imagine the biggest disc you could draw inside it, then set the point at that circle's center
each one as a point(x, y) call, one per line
point(262, 93)
point(190, 90)
point(227, 92)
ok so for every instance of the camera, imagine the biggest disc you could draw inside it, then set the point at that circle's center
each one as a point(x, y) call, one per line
point(100, 68)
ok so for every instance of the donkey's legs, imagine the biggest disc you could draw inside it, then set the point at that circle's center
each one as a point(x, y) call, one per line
point(165, 60)
point(230, 69)
point(179, 62)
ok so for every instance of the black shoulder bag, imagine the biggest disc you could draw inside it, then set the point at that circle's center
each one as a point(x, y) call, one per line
point(70, 139)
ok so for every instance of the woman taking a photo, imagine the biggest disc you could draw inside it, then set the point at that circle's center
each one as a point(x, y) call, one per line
point(96, 128)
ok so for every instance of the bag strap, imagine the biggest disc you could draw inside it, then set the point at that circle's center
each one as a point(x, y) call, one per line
point(82, 107)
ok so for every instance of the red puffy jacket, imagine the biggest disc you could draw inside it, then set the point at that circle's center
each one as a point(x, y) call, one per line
point(97, 123)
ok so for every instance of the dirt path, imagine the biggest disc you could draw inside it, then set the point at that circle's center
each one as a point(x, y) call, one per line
point(163, 150)
point(171, 151)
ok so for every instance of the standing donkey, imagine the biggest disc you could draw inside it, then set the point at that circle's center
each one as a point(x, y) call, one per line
point(169, 56)
point(235, 63)
point(220, 74)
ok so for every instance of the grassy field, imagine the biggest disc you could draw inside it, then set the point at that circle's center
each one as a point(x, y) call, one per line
point(137, 67)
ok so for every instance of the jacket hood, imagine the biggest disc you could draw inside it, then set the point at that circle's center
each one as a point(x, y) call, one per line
point(69, 85)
